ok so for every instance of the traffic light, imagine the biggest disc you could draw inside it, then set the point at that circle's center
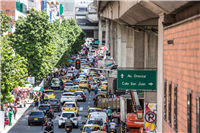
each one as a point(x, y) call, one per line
point(77, 64)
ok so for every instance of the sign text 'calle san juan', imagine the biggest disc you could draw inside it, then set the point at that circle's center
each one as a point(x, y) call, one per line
point(136, 79)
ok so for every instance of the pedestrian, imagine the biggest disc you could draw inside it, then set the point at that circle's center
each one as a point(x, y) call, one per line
point(109, 111)
point(95, 100)
point(15, 110)
point(38, 100)
point(10, 113)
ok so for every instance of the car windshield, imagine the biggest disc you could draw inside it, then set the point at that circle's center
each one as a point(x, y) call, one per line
point(68, 94)
point(94, 110)
point(48, 92)
point(68, 115)
point(83, 82)
point(99, 122)
point(94, 83)
point(79, 93)
point(75, 87)
point(105, 83)
point(44, 108)
point(68, 84)
point(81, 74)
point(69, 105)
point(55, 80)
point(53, 101)
point(36, 113)
point(90, 129)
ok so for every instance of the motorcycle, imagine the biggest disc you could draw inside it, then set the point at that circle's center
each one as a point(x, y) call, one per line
point(48, 131)
point(112, 131)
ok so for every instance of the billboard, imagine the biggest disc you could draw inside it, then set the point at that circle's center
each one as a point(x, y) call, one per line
point(54, 11)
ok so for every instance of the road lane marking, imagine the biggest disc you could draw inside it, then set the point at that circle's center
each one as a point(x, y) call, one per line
point(28, 127)
point(88, 102)
point(80, 108)
point(27, 112)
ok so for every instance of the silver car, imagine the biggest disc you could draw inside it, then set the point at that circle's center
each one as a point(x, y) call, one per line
point(68, 86)
point(68, 97)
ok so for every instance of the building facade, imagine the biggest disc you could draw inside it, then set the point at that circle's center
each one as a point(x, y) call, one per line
point(181, 70)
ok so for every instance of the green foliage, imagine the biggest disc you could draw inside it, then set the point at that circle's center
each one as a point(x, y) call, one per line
point(4, 22)
point(13, 70)
point(45, 44)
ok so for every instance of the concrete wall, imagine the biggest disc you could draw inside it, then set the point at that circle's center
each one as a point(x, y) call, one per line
point(139, 49)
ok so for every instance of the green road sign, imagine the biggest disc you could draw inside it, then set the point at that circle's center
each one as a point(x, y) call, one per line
point(136, 79)
point(97, 42)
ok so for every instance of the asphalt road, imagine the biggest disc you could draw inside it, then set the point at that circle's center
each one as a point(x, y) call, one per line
point(22, 125)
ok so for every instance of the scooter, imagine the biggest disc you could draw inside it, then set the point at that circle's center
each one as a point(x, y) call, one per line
point(112, 131)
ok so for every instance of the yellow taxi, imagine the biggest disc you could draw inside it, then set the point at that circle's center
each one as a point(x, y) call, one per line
point(88, 128)
point(49, 94)
point(104, 86)
point(101, 95)
point(83, 84)
point(70, 106)
point(76, 88)
point(83, 76)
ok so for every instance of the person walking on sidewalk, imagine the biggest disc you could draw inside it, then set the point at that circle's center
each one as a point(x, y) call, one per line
point(10, 113)
point(15, 110)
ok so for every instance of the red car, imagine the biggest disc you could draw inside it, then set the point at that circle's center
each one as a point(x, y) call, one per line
point(6, 121)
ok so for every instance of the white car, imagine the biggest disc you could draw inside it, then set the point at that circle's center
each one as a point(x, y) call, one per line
point(80, 95)
point(68, 97)
point(63, 117)
point(55, 83)
point(98, 121)
point(68, 86)
point(102, 115)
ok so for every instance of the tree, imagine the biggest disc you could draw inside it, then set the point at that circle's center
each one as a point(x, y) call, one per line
point(13, 70)
point(4, 22)
point(32, 40)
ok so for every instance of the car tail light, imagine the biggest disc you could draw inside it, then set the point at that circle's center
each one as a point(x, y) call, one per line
point(63, 108)
point(75, 108)
point(62, 97)
point(104, 128)
point(30, 119)
point(75, 118)
point(72, 97)
point(60, 118)
point(58, 103)
point(54, 94)
point(42, 119)
point(50, 110)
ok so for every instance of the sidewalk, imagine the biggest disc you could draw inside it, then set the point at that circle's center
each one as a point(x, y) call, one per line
point(20, 112)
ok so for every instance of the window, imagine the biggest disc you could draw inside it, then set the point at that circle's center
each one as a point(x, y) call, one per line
point(169, 103)
point(175, 106)
point(165, 91)
point(197, 120)
point(189, 112)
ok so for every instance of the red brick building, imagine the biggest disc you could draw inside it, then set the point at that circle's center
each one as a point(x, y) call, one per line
point(181, 70)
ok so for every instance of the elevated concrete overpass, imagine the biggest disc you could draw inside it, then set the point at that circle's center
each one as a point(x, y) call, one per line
point(134, 34)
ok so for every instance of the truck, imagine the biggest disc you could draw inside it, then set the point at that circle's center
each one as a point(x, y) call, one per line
point(131, 112)
point(113, 103)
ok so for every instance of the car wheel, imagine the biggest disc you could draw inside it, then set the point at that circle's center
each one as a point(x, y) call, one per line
point(59, 126)
point(24, 105)
point(29, 123)
point(20, 106)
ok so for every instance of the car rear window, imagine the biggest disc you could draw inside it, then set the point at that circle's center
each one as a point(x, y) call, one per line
point(44, 108)
point(69, 105)
point(90, 129)
point(105, 83)
point(83, 82)
point(36, 113)
point(68, 94)
point(99, 122)
point(68, 84)
point(75, 87)
point(94, 83)
point(94, 110)
point(53, 101)
point(55, 80)
point(78, 93)
point(48, 92)
point(68, 115)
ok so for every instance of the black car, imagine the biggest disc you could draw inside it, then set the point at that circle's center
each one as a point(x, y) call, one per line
point(47, 109)
point(55, 104)
point(36, 117)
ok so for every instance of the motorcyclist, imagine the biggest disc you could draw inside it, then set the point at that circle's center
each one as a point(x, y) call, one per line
point(96, 90)
point(68, 123)
point(49, 125)
point(112, 125)
point(89, 88)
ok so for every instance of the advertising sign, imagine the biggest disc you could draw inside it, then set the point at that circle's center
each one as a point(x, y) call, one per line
point(31, 80)
point(136, 79)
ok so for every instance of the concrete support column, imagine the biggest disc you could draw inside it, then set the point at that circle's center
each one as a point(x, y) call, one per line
point(146, 51)
point(119, 50)
point(107, 34)
point(130, 48)
point(95, 34)
point(160, 75)
point(123, 45)
point(100, 32)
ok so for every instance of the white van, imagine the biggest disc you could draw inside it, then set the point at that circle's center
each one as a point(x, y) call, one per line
point(102, 115)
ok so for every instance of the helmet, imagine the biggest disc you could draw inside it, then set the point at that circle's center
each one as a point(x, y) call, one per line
point(109, 107)
point(113, 120)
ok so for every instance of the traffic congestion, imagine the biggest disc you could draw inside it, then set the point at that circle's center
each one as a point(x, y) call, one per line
point(70, 103)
